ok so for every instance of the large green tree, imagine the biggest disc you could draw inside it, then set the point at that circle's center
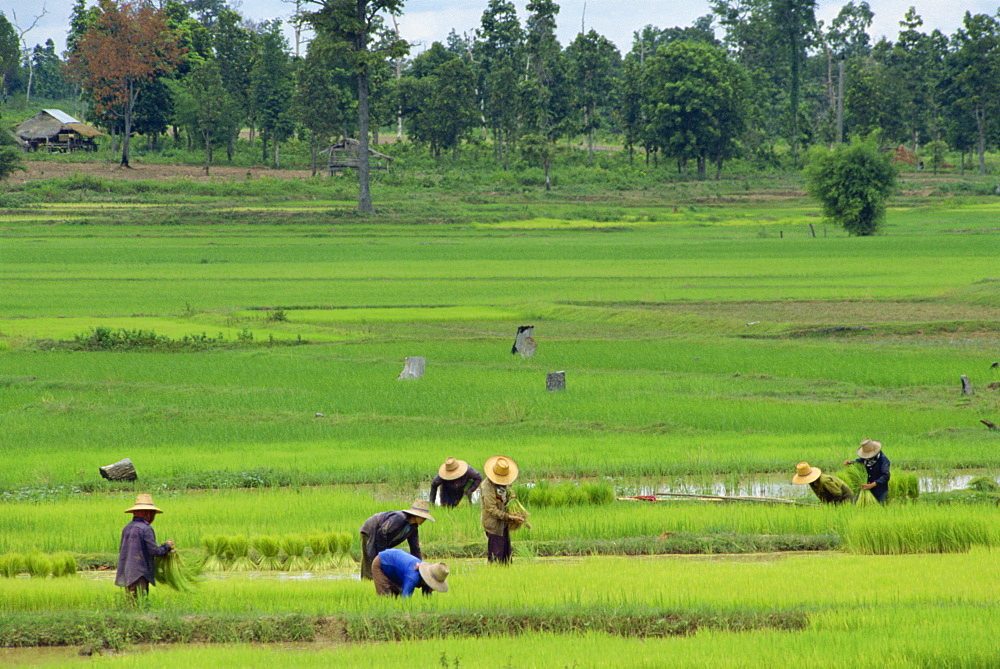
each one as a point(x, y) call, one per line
point(695, 103)
point(235, 46)
point(853, 182)
point(439, 99)
point(356, 28)
point(594, 66)
point(215, 118)
point(324, 100)
point(546, 86)
point(10, 54)
point(498, 53)
point(271, 87)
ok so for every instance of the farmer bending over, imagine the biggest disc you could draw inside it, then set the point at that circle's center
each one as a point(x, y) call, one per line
point(138, 548)
point(829, 489)
point(871, 456)
point(398, 573)
point(390, 528)
point(456, 479)
point(500, 473)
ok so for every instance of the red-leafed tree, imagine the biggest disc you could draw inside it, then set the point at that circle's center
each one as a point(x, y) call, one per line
point(127, 45)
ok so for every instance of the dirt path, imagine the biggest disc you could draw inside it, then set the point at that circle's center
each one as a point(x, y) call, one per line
point(139, 171)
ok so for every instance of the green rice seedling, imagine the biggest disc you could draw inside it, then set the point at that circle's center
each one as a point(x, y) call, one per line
point(239, 547)
point(345, 541)
point(903, 486)
point(599, 493)
point(866, 499)
point(213, 553)
point(321, 558)
point(63, 564)
point(854, 475)
point(515, 507)
point(172, 571)
point(267, 547)
point(294, 547)
point(39, 564)
point(983, 484)
point(11, 564)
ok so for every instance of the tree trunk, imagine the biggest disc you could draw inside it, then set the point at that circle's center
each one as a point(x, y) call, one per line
point(548, 181)
point(981, 143)
point(208, 149)
point(277, 153)
point(364, 170)
point(701, 167)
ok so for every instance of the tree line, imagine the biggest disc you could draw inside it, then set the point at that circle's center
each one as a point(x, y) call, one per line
point(759, 79)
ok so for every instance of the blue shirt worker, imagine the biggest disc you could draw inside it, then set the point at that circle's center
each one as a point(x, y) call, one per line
point(455, 479)
point(391, 528)
point(877, 464)
point(136, 570)
point(398, 573)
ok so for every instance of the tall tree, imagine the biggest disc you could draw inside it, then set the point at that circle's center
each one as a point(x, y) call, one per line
point(973, 82)
point(695, 103)
point(271, 83)
point(354, 27)
point(50, 80)
point(547, 91)
point(794, 22)
point(235, 46)
point(438, 97)
point(499, 57)
point(214, 116)
point(126, 46)
point(594, 64)
point(323, 98)
point(10, 54)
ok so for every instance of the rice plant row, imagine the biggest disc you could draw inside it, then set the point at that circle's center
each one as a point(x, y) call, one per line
point(288, 552)
point(37, 564)
point(544, 493)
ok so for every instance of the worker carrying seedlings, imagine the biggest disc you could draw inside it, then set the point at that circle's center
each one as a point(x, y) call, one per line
point(877, 464)
point(391, 528)
point(136, 570)
point(398, 573)
point(455, 479)
point(829, 489)
point(494, 495)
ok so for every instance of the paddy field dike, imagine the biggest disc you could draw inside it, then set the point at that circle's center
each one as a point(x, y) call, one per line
point(239, 338)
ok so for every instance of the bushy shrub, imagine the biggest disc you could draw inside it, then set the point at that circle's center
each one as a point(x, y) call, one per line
point(852, 182)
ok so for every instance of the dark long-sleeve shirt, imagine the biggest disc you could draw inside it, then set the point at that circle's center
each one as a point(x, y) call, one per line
point(388, 529)
point(878, 473)
point(453, 490)
point(135, 557)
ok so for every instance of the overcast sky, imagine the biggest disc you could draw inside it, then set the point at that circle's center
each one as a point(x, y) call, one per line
point(427, 21)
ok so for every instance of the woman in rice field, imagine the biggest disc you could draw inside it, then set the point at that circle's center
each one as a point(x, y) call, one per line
point(877, 464)
point(829, 489)
point(500, 472)
point(136, 571)
point(391, 528)
point(455, 479)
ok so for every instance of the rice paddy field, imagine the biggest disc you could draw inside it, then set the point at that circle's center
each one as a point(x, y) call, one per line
point(241, 343)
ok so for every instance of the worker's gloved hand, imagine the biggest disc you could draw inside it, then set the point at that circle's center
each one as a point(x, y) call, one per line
point(170, 542)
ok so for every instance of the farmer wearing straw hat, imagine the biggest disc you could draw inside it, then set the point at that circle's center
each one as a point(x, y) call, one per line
point(390, 528)
point(455, 479)
point(136, 571)
point(877, 464)
point(829, 489)
point(500, 472)
point(398, 573)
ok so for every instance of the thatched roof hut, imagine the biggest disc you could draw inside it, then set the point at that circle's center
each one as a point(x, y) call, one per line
point(345, 154)
point(55, 130)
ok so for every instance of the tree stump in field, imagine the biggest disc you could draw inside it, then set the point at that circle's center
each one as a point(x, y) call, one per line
point(555, 381)
point(120, 471)
point(524, 343)
point(966, 385)
point(414, 368)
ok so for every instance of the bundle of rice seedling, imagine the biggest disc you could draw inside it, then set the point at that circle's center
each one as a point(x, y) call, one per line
point(63, 564)
point(11, 565)
point(38, 564)
point(340, 547)
point(599, 493)
point(239, 547)
point(321, 558)
point(294, 547)
point(866, 499)
point(854, 475)
point(172, 572)
point(515, 507)
point(268, 548)
point(213, 553)
point(904, 486)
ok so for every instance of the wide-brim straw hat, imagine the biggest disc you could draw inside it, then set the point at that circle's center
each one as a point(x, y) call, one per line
point(144, 502)
point(805, 474)
point(453, 469)
point(422, 509)
point(434, 575)
point(869, 448)
point(501, 470)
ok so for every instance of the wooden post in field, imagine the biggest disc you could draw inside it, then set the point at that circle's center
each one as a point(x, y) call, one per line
point(413, 368)
point(555, 381)
point(966, 385)
point(120, 471)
